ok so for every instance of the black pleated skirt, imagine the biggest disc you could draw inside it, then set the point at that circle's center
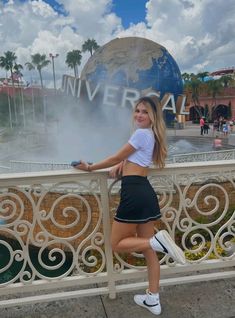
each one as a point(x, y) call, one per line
point(139, 202)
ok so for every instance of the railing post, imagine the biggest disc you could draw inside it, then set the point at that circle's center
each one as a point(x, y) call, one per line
point(107, 235)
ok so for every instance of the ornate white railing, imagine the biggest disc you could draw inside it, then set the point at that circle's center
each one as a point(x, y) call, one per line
point(205, 156)
point(55, 231)
point(28, 166)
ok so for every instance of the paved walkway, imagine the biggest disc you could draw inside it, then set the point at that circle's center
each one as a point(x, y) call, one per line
point(215, 299)
point(192, 130)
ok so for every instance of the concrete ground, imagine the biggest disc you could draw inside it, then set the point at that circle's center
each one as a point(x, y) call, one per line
point(214, 299)
point(193, 130)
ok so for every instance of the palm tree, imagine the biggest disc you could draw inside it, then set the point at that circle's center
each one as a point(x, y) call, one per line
point(90, 45)
point(202, 76)
point(192, 86)
point(195, 86)
point(226, 80)
point(17, 71)
point(186, 77)
point(38, 62)
point(214, 87)
point(73, 59)
point(192, 83)
point(203, 86)
point(7, 62)
point(32, 91)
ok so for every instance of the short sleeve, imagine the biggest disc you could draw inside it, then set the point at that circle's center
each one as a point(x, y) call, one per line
point(138, 139)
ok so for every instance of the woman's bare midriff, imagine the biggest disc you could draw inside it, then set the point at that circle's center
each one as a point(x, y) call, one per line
point(132, 169)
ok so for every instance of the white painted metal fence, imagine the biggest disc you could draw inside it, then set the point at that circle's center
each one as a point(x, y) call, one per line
point(205, 156)
point(20, 165)
point(55, 231)
point(29, 166)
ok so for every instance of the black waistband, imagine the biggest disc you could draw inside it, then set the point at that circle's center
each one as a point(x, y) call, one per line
point(133, 179)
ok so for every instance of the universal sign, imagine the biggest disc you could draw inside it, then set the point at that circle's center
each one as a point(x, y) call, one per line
point(111, 94)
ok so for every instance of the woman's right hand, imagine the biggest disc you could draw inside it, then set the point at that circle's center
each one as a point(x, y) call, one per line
point(116, 171)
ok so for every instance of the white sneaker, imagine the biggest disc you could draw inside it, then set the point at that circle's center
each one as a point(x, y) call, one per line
point(162, 242)
point(150, 302)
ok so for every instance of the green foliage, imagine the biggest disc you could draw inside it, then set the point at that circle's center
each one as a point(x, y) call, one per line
point(198, 255)
point(203, 219)
point(214, 87)
point(90, 45)
point(8, 60)
point(38, 61)
point(226, 80)
point(73, 59)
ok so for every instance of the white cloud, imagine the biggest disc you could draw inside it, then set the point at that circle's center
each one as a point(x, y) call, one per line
point(92, 18)
point(198, 34)
point(42, 9)
point(194, 30)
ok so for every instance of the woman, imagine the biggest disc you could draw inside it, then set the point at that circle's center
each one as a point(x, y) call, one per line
point(133, 225)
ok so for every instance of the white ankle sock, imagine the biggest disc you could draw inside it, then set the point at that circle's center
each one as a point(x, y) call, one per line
point(153, 294)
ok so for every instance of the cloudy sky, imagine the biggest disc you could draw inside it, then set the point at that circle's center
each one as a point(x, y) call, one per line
point(199, 34)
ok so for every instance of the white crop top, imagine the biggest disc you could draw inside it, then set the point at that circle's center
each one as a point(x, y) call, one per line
point(143, 141)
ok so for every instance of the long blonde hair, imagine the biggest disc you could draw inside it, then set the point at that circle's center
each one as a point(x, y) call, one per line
point(158, 127)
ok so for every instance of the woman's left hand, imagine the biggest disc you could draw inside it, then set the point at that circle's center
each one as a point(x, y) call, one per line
point(116, 171)
point(82, 166)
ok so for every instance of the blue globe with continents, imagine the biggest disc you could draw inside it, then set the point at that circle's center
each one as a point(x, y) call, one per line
point(133, 63)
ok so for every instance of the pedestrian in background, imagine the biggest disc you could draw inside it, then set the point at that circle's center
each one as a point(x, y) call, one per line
point(202, 122)
point(206, 128)
point(225, 128)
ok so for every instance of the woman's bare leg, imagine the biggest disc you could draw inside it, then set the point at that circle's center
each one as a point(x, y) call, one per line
point(146, 231)
point(124, 239)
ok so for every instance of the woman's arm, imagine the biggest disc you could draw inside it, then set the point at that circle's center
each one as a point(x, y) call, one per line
point(121, 155)
point(116, 171)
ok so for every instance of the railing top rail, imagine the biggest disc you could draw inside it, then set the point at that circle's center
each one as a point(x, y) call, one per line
point(203, 153)
point(39, 162)
point(49, 176)
point(73, 174)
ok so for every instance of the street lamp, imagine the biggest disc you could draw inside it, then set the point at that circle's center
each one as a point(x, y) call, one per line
point(53, 67)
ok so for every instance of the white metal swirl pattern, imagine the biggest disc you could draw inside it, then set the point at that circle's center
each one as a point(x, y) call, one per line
point(55, 226)
point(197, 211)
point(50, 231)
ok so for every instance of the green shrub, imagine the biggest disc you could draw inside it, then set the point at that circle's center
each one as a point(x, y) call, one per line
point(196, 256)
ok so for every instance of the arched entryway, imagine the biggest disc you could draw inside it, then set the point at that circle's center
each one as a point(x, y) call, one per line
point(220, 111)
point(196, 112)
